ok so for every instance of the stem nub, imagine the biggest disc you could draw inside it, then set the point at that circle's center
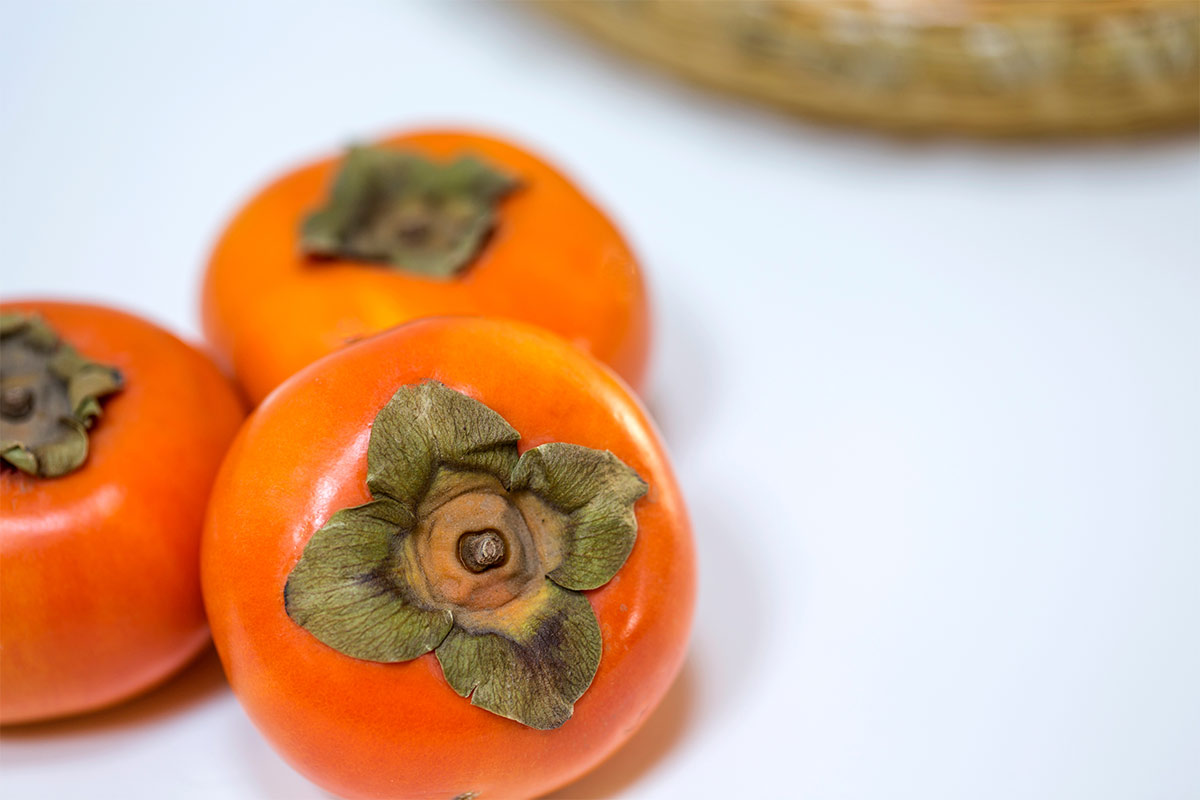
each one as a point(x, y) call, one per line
point(16, 402)
point(479, 551)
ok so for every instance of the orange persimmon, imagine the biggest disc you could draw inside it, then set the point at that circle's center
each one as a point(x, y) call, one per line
point(381, 590)
point(467, 225)
point(113, 430)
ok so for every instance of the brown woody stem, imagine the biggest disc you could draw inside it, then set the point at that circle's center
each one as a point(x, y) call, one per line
point(16, 402)
point(479, 551)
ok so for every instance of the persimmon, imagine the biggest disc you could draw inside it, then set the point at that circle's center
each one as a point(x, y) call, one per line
point(418, 225)
point(449, 560)
point(111, 433)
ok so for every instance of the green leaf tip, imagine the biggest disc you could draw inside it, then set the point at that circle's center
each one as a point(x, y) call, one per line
point(406, 573)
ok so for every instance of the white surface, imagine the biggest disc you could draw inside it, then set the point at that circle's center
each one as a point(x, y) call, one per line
point(934, 405)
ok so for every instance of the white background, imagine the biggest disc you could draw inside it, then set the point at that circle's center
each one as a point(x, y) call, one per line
point(934, 404)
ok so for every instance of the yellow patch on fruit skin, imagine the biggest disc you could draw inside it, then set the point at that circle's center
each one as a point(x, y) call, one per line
point(514, 619)
point(547, 527)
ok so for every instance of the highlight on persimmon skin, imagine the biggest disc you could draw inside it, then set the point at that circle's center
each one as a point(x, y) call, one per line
point(393, 719)
point(310, 263)
point(100, 599)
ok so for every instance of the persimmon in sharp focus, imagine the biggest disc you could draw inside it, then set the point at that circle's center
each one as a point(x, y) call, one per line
point(391, 564)
point(467, 225)
point(99, 564)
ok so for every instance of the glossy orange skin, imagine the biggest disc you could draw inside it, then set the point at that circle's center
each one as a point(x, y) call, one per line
point(369, 730)
point(99, 569)
point(554, 260)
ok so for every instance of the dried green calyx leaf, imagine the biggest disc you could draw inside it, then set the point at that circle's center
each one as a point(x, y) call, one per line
point(428, 426)
point(49, 397)
point(474, 553)
point(533, 672)
point(405, 210)
point(596, 493)
point(342, 590)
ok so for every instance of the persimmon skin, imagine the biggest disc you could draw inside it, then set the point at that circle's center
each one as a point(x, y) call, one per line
point(100, 596)
point(554, 260)
point(370, 730)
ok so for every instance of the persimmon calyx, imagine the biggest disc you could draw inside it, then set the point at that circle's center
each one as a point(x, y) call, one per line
point(49, 397)
point(474, 552)
point(404, 210)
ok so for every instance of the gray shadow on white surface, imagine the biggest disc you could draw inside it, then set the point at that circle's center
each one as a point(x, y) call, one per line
point(682, 387)
point(723, 663)
point(264, 770)
point(96, 732)
point(665, 729)
point(734, 608)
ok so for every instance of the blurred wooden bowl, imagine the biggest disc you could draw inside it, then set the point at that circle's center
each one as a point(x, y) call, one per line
point(993, 67)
